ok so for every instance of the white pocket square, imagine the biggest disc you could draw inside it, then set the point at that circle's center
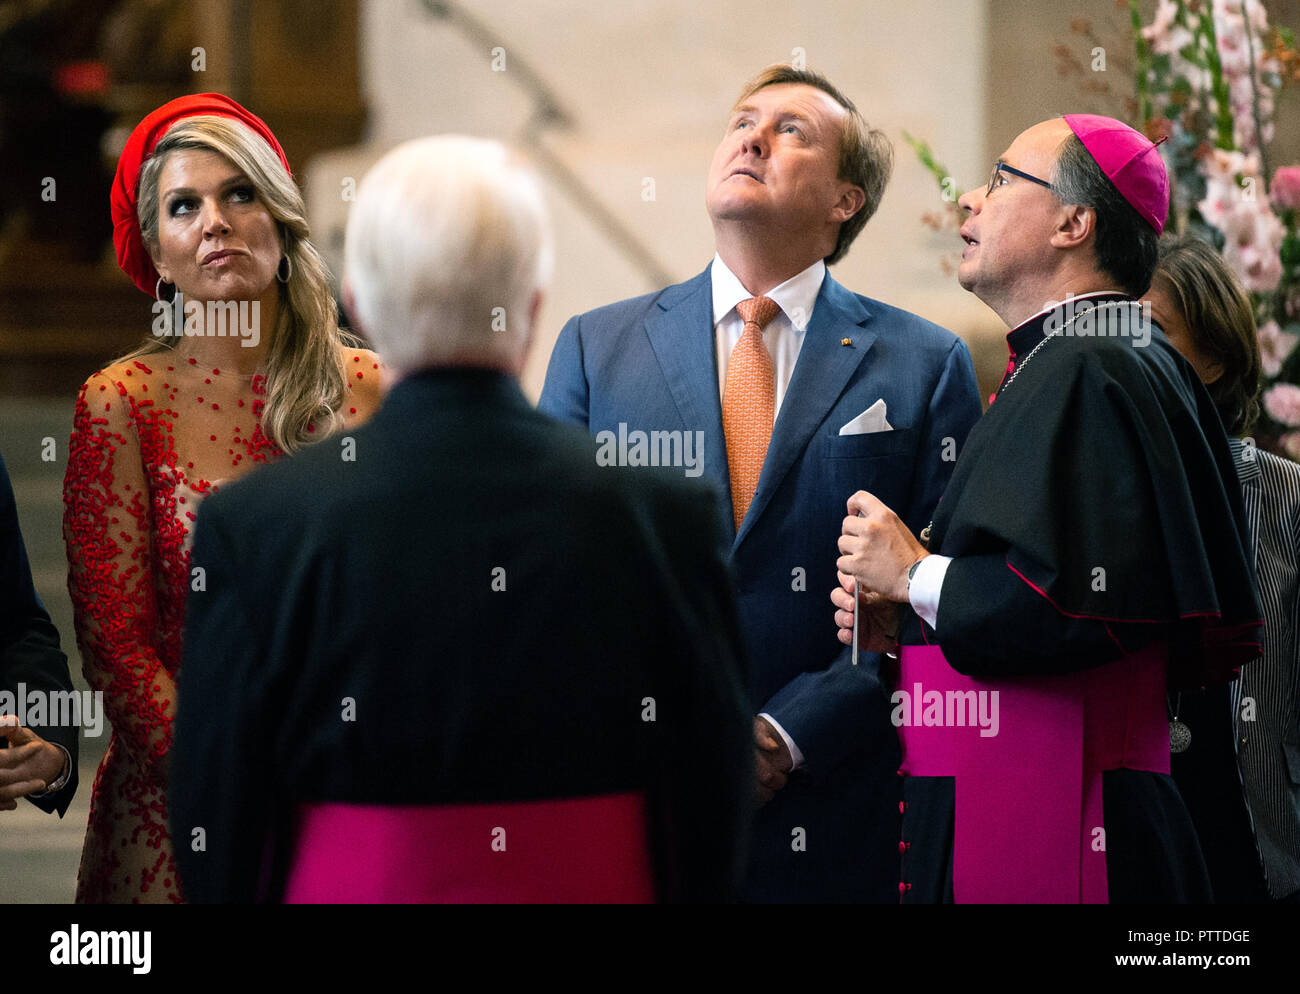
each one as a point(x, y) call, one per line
point(870, 420)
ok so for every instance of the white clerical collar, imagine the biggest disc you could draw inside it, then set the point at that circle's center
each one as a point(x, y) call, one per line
point(795, 296)
point(1057, 303)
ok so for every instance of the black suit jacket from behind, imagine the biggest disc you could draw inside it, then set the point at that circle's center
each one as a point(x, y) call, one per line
point(454, 604)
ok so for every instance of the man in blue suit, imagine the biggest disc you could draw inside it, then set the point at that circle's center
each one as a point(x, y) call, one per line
point(800, 392)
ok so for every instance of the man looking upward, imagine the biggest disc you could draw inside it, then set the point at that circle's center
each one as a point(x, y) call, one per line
point(1087, 554)
point(803, 392)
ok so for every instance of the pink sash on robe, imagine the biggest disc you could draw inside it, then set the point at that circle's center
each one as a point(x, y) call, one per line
point(1028, 806)
point(555, 851)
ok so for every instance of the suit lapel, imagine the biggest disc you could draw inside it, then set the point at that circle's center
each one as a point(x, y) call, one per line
point(681, 334)
point(824, 367)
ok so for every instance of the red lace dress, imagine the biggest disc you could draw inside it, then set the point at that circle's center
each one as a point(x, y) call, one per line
point(150, 439)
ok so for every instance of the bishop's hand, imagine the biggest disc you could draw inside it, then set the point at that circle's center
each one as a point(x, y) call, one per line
point(877, 549)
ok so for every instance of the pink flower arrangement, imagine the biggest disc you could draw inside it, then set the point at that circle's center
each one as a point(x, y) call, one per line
point(1286, 188)
point(1291, 444)
point(1275, 345)
point(1171, 32)
point(1165, 35)
point(1235, 204)
point(1282, 402)
point(1237, 50)
point(1210, 84)
point(1254, 241)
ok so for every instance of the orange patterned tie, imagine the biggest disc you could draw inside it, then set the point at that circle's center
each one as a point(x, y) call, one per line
point(749, 403)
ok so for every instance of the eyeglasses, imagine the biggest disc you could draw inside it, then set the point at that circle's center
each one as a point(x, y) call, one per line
point(999, 167)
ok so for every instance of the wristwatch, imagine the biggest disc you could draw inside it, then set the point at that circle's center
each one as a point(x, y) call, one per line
point(62, 780)
point(911, 571)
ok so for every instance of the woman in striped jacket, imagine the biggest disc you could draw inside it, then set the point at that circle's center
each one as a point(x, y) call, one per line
point(1240, 772)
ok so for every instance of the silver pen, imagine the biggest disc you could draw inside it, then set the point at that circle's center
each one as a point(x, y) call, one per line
point(855, 621)
point(856, 607)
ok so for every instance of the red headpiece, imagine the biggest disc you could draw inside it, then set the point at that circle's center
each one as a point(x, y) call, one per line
point(131, 253)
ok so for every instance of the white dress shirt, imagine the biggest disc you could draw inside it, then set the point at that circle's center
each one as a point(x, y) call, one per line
point(927, 582)
point(783, 337)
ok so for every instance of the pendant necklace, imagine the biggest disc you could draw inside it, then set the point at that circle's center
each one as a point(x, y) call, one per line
point(1061, 331)
point(1180, 736)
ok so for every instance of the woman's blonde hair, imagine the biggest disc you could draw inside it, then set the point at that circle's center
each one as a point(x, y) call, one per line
point(304, 368)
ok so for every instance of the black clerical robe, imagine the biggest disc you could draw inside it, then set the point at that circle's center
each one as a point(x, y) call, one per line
point(472, 611)
point(1093, 513)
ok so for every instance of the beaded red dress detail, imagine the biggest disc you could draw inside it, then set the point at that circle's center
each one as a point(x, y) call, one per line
point(150, 440)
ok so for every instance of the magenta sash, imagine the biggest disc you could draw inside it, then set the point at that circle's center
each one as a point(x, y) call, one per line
point(1028, 806)
point(555, 851)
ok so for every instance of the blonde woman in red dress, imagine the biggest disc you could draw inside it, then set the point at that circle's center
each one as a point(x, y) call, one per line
point(204, 206)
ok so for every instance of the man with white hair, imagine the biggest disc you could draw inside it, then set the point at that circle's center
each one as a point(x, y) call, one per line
point(438, 681)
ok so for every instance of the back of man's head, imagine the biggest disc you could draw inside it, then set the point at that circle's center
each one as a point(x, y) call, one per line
point(448, 248)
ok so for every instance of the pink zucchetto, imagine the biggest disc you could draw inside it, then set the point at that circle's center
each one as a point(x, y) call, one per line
point(1130, 161)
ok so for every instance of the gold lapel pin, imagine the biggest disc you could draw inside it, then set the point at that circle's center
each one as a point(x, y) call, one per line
point(846, 341)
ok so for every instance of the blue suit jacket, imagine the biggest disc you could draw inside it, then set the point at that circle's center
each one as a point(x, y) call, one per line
point(650, 363)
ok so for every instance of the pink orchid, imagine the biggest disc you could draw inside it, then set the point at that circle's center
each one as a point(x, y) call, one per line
point(1282, 402)
point(1286, 188)
point(1275, 345)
